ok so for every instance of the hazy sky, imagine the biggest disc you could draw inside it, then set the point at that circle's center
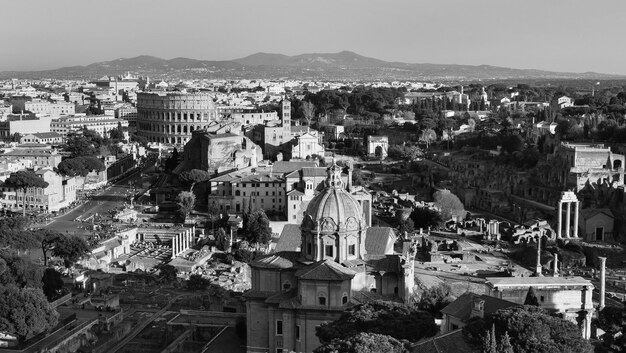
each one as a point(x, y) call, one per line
point(564, 35)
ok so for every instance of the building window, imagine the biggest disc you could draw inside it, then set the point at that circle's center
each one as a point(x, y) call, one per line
point(321, 299)
point(287, 285)
point(542, 299)
point(279, 327)
point(308, 245)
point(329, 250)
point(344, 299)
point(351, 249)
point(297, 332)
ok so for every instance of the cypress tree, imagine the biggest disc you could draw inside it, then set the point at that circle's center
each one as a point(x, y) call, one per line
point(505, 344)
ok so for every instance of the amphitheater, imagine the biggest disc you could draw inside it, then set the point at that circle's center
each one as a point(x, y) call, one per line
point(171, 117)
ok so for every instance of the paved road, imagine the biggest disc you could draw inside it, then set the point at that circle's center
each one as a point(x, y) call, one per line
point(102, 203)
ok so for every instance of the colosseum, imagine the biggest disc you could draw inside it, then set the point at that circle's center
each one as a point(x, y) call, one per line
point(171, 117)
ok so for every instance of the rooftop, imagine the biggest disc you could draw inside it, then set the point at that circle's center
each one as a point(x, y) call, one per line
point(537, 281)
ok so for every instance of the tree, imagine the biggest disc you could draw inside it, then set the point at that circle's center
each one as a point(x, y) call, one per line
point(168, 273)
point(363, 343)
point(139, 139)
point(213, 213)
point(194, 176)
point(197, 282)
point(186, 201)
point(532, 329)
point(258, 228)
point(358, 178)
point(531, 298)
point(424, 217)
point(23, 180)
point(308, 111)
point(117, 133)
point(48, 239)
point(19, 271)
point(19, 239)
point(397, 320)
point(406, 227)
point(613, 321)
point(80, 166)
point(25, 312)
point(172, 162)
point(435, 298)
point(70, 248)
point(221, 239)
point(490, 342)
point(428, 136)
point(505, 344)
point(449, 204)
point(52, 283)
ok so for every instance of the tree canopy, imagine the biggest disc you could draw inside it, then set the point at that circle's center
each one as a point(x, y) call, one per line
point(23, 180)
point(449, 204)
point(194, 176)
point(257, 227)
point(70, 248)
point(80, 166)
point(364, 343)
point(399, 321)
point(186, 202)
point(25, 311)
point(52, 283)
point(532, 329)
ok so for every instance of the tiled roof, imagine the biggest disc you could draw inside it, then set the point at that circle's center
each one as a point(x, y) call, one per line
point(388, 263)
point(288, 167)
point(449, 342)
point(377, 240)
point(290, 238)
point(327, 270)
point(47, 134)
point(279, 297)
point(461, 308)
point(314, 172)
point(279, 260)
point(295, 192)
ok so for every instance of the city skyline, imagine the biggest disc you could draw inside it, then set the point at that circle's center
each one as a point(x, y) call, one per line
point(546, 36)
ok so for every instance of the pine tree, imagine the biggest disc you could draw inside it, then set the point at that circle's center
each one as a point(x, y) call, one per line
point(505, 344)
point(531, 298)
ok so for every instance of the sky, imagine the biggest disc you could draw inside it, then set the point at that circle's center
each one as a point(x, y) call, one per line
point(564, 35)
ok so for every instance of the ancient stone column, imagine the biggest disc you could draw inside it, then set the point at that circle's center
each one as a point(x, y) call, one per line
point(555, 265)
point(602, 282)
point(538, 266)
point(560, 224)
point(576, 205)
point(568, 211)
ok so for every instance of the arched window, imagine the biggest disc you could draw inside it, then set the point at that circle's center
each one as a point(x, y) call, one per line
point(286, 285)
point(237, 193)
point(344, 298)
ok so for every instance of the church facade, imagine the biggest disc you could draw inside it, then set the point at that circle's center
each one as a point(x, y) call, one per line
point(340, 264)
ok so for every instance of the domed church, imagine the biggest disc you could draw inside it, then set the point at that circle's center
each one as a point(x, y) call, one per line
point(342, 262)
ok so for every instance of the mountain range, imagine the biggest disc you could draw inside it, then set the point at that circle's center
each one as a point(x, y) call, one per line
point(344, 65)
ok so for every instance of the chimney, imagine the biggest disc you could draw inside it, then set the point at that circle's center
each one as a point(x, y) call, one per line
point(602, 282)
point(538, 267)
point(555, 264)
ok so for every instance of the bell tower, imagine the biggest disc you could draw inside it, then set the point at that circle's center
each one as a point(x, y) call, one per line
point(286, 114)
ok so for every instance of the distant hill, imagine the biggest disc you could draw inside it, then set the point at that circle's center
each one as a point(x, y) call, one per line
point(344, 65)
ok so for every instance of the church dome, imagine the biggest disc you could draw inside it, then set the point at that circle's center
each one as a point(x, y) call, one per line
point(334, 208)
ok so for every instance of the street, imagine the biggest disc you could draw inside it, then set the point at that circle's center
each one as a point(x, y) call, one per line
point(112, 197)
